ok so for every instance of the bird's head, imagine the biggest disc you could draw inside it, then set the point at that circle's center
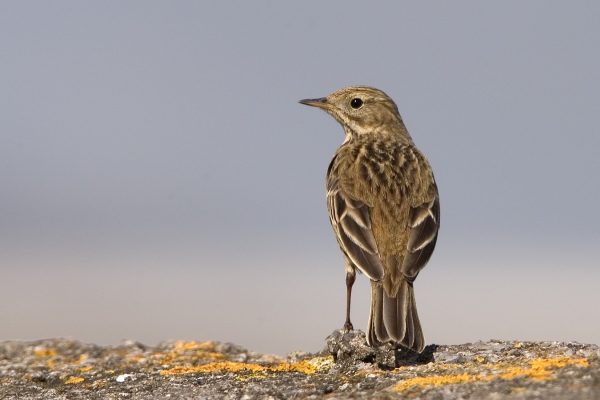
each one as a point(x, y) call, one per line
point(361, 110)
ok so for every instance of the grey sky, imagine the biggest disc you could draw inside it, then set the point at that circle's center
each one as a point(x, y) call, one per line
point(158, 174)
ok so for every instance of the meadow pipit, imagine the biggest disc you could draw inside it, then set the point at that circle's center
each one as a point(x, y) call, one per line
point(384, 209)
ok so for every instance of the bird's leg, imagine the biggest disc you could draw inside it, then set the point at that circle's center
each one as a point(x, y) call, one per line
point(350, 278)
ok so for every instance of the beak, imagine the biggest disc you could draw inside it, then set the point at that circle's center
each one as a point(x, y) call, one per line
point(320, 102)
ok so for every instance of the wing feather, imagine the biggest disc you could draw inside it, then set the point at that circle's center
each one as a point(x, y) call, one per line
point(424, 225)
point(351, 221)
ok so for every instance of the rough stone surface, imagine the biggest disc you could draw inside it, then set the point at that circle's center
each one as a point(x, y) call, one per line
point(346, 368)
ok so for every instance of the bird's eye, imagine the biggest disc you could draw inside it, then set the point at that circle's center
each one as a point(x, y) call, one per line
point(356, 103)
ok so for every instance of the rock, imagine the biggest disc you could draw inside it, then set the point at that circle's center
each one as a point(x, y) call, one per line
point(349, 348)
point(346, 368)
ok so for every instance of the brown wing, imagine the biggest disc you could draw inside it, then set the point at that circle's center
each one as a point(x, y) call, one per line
point(424, 224)
point(351, 222)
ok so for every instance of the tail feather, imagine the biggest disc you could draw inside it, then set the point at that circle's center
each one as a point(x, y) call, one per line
point(395, 311)
point(409, 338)
point(419, 340)
point(395, 319)
point(377, 333)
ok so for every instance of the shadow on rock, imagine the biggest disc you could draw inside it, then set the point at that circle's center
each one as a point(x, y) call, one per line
point(404, 357)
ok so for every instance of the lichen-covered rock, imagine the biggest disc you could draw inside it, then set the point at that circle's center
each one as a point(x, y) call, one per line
point(347, 368)
point(349, 349)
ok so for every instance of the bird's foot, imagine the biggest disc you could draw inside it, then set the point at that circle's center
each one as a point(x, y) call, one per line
point(348, 326)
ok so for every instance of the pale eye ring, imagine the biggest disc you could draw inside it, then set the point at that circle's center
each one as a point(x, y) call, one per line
point(356, 103)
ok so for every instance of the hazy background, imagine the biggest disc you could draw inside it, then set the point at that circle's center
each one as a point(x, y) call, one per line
point(158, 179)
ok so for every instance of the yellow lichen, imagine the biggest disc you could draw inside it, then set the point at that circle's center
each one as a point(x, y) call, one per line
point(73, 379)
point(307, 367)
point(435, 380)
point(183, 345)
point(189, 352)
point(540, 368)
point(44, 352)
point(224, 366)
point(537, 369)
point(85, 369)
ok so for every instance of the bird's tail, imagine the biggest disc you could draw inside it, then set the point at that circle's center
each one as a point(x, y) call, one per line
point(395, 319)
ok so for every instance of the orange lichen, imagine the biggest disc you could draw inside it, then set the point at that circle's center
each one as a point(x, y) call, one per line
point(538, 369)
point(189, 352)
point(435, 380)
point(183, 345)
point(73, 380)
point(44, 352)
point(305, 367)
point(225, 366)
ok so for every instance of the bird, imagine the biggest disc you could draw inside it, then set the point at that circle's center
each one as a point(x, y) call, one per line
point(384, 209)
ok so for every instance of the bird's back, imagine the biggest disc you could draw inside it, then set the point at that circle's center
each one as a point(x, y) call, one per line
point(392, 178)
